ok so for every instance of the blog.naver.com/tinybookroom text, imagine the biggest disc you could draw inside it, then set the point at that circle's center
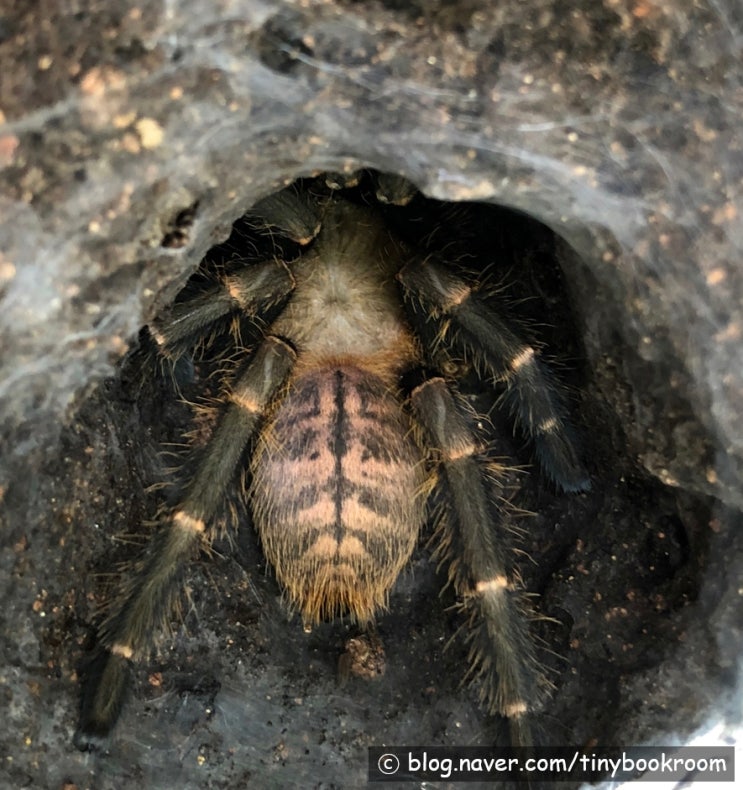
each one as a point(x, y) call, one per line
point(476, 763)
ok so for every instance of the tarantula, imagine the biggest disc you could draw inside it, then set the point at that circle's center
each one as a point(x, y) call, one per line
point(339, 425)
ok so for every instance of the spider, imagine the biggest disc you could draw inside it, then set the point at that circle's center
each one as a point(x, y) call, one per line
point(340, 425)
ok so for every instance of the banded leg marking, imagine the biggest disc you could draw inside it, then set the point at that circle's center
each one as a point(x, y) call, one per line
point(251, 290)
point(471, 328)
point(150, 599)
point(501, 651)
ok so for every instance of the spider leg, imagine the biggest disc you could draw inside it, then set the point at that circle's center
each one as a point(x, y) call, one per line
point(471, 537)
point(395, 190)
point(293, 213)
point(250, 290)
point(148, 603)
point(338, 180)
point(466, 323)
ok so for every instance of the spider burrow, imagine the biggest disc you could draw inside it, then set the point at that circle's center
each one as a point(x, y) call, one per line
point(339, 424)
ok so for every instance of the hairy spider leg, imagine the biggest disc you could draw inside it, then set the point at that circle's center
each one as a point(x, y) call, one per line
point(471, 537)
point(294, 214)
point(395, 190)
point(149, 601)
point(468, 325)
point(256, 288)
point(339, 180)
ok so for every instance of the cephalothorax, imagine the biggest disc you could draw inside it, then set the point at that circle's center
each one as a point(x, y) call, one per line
point(343, 419)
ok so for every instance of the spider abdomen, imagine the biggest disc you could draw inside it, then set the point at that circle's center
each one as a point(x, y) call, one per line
point(331, 493)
